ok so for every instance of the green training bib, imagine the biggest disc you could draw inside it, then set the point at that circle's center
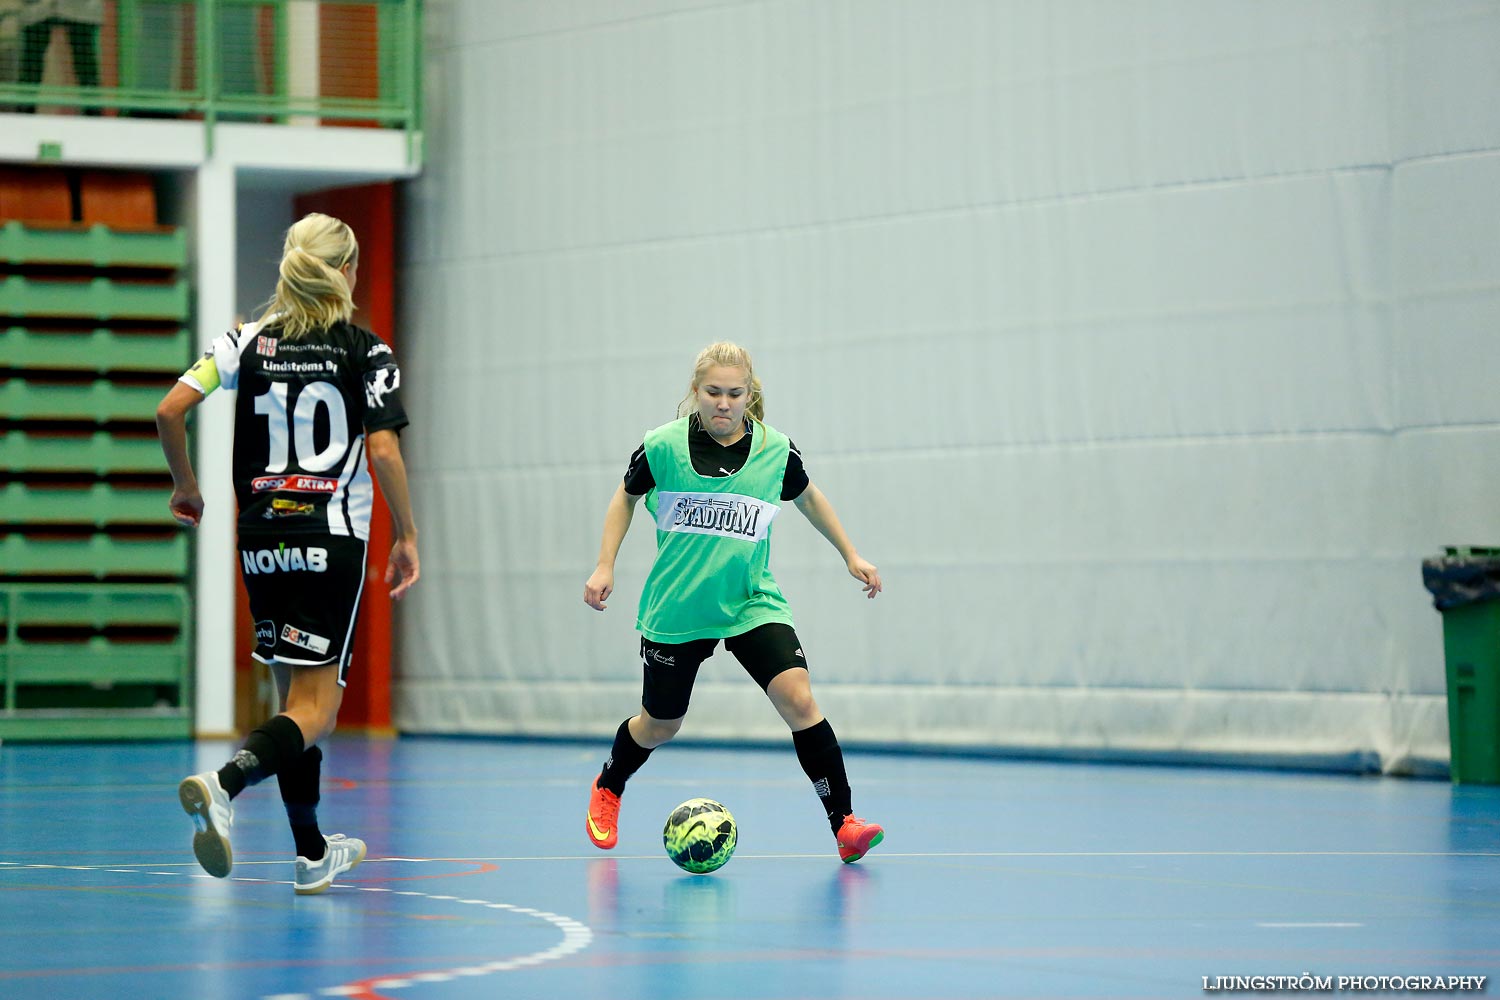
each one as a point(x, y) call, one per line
point(712, 577)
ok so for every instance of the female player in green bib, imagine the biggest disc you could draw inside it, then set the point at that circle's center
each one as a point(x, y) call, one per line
point(714, 480)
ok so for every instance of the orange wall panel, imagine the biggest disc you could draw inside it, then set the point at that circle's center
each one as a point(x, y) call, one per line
point(369, 209)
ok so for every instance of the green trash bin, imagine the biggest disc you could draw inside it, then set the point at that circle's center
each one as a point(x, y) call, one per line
point(1465, 586)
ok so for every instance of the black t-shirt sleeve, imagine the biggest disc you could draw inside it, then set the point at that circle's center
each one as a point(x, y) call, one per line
point(795, 479)
point(382, 384)
point(638, 478)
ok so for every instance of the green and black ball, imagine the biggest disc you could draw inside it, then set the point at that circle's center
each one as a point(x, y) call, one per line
point(699, 836)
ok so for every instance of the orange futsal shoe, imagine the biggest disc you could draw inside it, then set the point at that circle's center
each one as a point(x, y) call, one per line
point(856, 837)
point(604, 813)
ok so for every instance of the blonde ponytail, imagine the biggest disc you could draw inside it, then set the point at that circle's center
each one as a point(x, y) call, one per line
point(312, 292)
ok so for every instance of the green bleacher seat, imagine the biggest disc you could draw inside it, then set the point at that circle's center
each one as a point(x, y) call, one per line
point(93, 685)
point(99, 350)
point(96, 555)
point(100, 401)
point(94, 605)
point(100, 453)
point(97, 298)
point(97, 504)
point(97, 245)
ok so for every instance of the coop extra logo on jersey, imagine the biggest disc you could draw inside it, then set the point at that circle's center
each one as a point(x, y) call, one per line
point(265, 346)
point(294, 484)
point(306, 640)
point(730, 515)
point(284, 559)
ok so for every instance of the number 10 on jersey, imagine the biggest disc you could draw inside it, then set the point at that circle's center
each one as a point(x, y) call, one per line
point(272, 405)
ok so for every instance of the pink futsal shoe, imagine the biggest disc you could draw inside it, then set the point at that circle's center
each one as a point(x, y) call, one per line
point(856, 837)
point(604, 815)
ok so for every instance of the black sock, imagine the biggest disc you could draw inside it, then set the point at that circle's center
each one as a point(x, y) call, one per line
point(625, 758)
point(299, 793)
point(267, 750)
point(823, 762)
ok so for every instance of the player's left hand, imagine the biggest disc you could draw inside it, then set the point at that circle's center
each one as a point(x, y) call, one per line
point(404, 568)
point(865, 572)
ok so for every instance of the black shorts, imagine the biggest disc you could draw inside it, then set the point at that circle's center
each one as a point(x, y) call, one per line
point(670, 668)
point(304, 597)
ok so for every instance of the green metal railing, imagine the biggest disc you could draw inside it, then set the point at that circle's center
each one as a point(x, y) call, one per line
point(277, 61)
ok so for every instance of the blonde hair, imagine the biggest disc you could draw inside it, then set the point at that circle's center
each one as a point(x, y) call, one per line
point(725, 355)
point(312, 292)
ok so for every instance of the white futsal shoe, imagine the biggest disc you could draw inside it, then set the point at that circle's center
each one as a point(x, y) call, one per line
point(204, 799)
point(340, 854)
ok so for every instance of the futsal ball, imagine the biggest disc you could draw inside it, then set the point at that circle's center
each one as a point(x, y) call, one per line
point(699, 836)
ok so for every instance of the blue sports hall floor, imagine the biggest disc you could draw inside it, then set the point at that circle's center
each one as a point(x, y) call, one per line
point(997, 878)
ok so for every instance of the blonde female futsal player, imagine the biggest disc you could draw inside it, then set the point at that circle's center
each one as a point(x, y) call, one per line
point(713, 481)
point(315, 394)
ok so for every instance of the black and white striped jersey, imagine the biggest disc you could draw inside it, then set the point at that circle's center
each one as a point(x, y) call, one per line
point(300, 420)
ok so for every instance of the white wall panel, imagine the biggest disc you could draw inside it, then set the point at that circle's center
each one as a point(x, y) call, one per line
point(1147, 348)
point(1446, 78)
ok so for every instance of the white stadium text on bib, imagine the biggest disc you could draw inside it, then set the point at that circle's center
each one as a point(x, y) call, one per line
point(729, 515)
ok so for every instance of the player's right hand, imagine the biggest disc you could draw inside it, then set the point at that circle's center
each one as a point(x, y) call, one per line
point(187, 507)
point(598, 588)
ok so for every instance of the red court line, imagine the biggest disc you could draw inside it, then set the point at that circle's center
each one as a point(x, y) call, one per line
point(132, 970)
point(176, 853)
point(92, 888)
point(479, 868)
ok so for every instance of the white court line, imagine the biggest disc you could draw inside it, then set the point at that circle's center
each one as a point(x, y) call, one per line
point(576, 936)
